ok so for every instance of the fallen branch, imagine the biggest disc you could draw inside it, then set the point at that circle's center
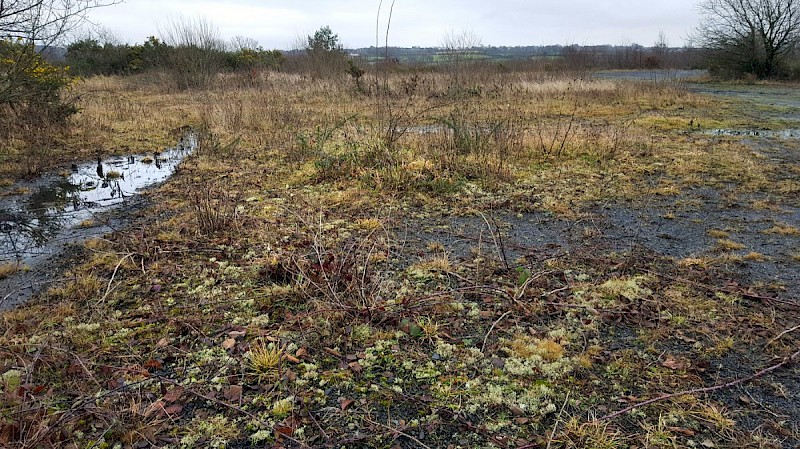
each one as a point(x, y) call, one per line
point(784, 362)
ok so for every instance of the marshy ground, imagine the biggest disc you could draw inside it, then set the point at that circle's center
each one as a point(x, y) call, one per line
point(445, 260)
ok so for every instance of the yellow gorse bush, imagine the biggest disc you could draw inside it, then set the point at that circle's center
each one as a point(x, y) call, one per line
point(31, 87)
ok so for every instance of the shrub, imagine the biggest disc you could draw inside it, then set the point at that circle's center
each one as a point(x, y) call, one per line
point(197, 53)
point(31, 90)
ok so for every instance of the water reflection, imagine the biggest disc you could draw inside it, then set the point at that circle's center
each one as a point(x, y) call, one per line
point(57, 205)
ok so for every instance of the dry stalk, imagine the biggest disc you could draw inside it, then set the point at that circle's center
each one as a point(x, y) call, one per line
point(486, 338)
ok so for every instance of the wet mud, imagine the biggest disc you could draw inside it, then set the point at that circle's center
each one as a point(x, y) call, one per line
point(41, 221)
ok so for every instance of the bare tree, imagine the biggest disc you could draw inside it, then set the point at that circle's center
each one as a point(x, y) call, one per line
point(197, 52)
point(457, 51)
point(749, 36)
point(44, 22)
point(239, 43)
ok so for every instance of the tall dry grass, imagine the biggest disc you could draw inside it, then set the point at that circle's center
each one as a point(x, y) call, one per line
point(498, 123)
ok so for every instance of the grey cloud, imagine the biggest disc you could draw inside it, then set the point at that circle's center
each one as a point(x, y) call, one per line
point(276, 24)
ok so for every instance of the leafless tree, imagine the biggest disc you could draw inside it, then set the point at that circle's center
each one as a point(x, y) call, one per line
point(239, 43)
point(44, 22)
point(197, 54)
point(749, 36)
point(457, 51)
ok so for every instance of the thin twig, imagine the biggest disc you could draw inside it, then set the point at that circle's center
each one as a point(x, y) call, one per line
point(501, 252)
point(558, 421)
point(787, 331)
point(521, 292)
point(784, 362)
point(113, 275)
point(486, 338)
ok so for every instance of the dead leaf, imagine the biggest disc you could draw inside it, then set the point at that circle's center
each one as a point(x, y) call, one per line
point(683, 431)
point(674, 364)
point(75, 368)
point(708, 443)
point(173, 409)
point(237, 334)
point(345, 403)
point(157, 406)
point(229, 343)
point(162, 343)
point(284, 430)
point(152, 364)
point(333, 352)
point(292, 358)
point(173, 395)
point(302, 352)
point(233, 393)
point(8, 433)
point(355, 366)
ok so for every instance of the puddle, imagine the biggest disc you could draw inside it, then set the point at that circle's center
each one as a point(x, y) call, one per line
point(650, 75)
point(61, 209)
point(427, 129)
point(780, 134)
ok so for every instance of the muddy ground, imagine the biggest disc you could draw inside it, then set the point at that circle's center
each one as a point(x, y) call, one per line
point(683, 228)
point(44, 221)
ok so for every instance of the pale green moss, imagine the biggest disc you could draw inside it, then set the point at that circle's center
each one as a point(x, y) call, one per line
point(630, 288)
point(283, 407)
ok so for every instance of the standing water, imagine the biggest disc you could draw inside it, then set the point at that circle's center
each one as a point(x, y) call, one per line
point(57, 210)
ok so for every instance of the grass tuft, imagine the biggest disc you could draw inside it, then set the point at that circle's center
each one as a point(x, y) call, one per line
point(265, 361)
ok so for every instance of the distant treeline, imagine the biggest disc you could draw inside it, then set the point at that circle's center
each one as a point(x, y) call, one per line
point(595, 57)
point(92, 57)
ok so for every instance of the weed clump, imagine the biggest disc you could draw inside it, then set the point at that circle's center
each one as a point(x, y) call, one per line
point(82, 288)
point(783, 229)
point(265, 361)
point(10, 269)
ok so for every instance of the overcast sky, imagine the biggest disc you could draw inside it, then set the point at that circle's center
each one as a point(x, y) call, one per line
point(278, 23)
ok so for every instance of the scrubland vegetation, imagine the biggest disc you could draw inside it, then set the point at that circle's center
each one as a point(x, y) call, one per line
point(377, 255)
point(281, 289)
